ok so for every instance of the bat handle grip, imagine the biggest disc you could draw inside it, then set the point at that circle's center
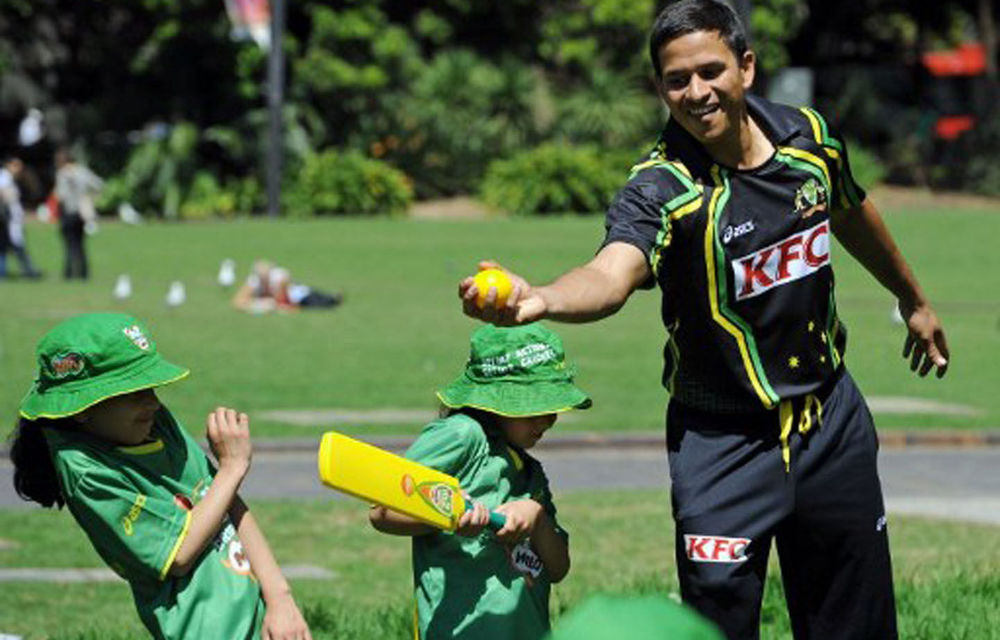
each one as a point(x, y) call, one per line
point(497, 520)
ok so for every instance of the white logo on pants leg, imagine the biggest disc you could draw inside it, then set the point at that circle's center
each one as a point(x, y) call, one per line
point(702, 548)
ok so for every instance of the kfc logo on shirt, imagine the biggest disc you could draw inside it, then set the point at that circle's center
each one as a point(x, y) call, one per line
point(715, 548)
point(791, 259)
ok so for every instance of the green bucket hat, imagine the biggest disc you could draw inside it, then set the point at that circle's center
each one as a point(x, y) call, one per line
point(606, 617)
point(90, 358)
point(515, 372)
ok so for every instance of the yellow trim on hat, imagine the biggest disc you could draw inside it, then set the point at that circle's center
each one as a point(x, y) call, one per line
point(53, 416)
point(501, 413)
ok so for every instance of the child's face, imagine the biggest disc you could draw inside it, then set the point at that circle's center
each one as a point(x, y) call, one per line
point(526, 432)
point(126, 419)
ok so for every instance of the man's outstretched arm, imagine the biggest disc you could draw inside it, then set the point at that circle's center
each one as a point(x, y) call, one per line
point(865, 236)
point(586, 293)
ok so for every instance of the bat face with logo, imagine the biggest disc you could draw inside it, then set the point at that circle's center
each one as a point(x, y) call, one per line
point(367, 472)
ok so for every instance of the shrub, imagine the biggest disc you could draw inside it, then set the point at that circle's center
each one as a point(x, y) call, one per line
point(460, 111)
point(552, 178)
point(332, 182)
point(867, 168)
point(976, 168)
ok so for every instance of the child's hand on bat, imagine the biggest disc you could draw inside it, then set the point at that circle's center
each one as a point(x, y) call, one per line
point(522, 516)
point(472, 521)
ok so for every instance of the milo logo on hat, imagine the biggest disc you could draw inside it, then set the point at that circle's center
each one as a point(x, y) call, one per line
point(67, 364)
point(135, 334)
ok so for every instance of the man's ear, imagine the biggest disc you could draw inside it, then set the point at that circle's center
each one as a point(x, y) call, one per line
point(748, 67)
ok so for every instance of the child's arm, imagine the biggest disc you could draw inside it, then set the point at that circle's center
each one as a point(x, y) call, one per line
point(283, 618)
point(388, 521)
point(528, 518)
point(229, 437)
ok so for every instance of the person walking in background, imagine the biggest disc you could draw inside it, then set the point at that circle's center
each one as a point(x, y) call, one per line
point(76, 188)
point(12, 220)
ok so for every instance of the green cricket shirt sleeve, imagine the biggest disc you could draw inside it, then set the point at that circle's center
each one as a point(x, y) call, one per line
point(541, 494)
point(137, 534)
point(448, 445)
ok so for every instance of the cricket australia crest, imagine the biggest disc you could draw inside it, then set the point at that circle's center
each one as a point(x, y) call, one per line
point(810, 198)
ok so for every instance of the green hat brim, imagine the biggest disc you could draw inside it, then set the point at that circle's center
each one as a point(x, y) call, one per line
point(68, 399)
point(514, 399)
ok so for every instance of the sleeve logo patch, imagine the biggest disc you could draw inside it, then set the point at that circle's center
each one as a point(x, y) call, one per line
point(702, 548)
point(128, 521)
point(525, 561)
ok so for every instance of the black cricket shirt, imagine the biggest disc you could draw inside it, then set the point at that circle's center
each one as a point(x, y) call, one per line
point(743, 260)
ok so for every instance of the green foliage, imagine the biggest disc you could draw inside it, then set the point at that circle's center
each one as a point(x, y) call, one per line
point(772, 24)
point(975, 166)
point(551, 178)
point(585, 33)
point(609, 110)
point(207, 198)
point(332, 182)
point(159, 171)
point(867, 168)
point(460, 112)
point(169, 175)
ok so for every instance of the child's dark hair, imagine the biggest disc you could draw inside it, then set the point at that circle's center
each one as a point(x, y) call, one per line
point(688, 16)
point(486, 419)
point(34, 474)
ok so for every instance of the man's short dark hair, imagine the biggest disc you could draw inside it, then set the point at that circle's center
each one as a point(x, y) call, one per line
point(688, 16)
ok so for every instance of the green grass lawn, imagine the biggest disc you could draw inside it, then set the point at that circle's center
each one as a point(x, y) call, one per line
point(947, 574)
point(401, 335)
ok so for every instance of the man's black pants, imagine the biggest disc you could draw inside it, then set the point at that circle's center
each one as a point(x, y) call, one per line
point(75, 265)
point(732, 494)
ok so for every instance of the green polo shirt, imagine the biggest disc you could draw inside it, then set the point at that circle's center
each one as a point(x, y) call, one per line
point(134, 503)
point(477, 588)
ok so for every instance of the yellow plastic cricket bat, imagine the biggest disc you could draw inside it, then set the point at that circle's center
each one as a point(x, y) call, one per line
point(367, 472)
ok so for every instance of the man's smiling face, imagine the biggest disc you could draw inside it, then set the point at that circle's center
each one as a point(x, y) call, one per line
point(703, 84)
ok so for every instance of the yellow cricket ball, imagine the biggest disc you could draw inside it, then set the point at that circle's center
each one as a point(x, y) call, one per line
point(492, 278)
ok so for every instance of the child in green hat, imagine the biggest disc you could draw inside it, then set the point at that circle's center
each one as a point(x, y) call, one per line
point(93, 436)
point(482, 584)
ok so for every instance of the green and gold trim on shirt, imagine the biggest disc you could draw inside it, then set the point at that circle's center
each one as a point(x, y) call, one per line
point(715, 269)
point(177, 546)
point(848, 189)
point(688, 201)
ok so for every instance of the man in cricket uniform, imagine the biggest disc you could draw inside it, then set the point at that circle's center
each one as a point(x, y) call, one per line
point(768, 437)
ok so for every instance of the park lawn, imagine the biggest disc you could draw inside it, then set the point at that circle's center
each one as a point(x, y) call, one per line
point(400, 334)
point(947, 573)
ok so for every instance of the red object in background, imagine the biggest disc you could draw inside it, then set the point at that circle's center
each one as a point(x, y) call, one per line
point(966, 60)
point(52, 202)
point(950, 127)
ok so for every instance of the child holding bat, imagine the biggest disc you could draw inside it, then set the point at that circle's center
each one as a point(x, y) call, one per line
point(482, 584)
point(93, 436)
